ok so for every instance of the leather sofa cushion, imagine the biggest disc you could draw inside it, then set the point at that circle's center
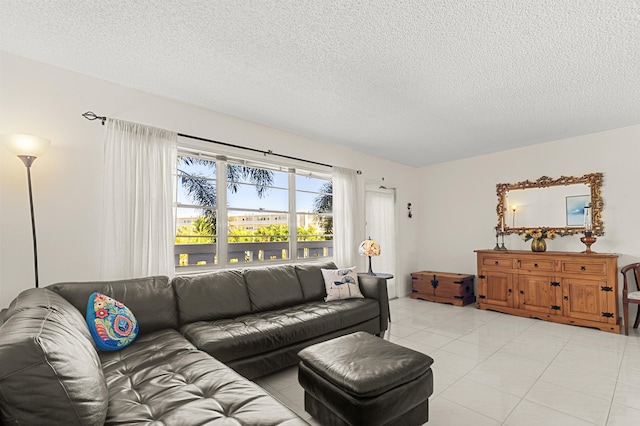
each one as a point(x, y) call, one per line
point(49, 369)
point(249, 335)
point(162, 379)
point(273, 287)
point(312, 281)
point(151, 299)
point(211, 296)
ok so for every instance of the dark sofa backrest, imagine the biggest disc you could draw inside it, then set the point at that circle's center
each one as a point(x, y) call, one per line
point(311, 279)
point(50, 372)
point(152, 299)
point(232, 293)
point(211, 296)
point(273, 287)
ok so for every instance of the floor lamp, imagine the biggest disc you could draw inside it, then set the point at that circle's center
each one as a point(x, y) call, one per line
point(28, 148)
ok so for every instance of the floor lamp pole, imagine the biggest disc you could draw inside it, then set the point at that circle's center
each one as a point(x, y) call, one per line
point(28, 160)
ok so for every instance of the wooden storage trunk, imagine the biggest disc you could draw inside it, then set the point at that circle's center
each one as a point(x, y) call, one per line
point(444, 287)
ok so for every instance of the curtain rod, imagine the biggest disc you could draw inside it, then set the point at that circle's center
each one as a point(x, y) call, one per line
point(91, 116)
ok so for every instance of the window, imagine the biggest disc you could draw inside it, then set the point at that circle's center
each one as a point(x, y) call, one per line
point(196, 212)
point(314, 219)
point(263, 213)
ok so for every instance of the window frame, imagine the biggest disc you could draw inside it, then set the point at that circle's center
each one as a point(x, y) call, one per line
point(223, 158)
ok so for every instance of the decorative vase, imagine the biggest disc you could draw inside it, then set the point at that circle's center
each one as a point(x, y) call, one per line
point(538, 244)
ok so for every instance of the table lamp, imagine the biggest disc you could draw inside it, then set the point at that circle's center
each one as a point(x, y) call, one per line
point(369, 248)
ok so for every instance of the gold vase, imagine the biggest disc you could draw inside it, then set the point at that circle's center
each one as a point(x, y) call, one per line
point(538, 244)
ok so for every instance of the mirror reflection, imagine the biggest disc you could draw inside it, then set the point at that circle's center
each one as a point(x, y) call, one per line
point(557, 204)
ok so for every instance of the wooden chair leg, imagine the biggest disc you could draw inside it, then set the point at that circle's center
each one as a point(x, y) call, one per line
point(625, 309)
point(637, 318)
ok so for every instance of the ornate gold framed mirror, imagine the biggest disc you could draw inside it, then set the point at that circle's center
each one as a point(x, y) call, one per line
point(555, 204)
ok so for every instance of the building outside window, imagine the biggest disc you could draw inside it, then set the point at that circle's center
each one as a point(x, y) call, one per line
point(264, 213)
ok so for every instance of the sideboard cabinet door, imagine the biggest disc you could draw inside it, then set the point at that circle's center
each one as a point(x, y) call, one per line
point(495, 288)
point(588, 299)
point(536, 293)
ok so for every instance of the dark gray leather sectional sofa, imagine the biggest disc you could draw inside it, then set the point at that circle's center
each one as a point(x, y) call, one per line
point(194, 332)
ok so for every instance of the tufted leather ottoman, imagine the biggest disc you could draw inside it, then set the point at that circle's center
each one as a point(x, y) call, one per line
point(360, 379)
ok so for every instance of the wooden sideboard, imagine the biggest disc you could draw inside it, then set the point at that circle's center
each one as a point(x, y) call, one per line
point(569, 288)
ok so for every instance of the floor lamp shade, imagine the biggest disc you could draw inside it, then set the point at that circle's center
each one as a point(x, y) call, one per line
point(26, 145)
point(28, 148)
point(369, 248)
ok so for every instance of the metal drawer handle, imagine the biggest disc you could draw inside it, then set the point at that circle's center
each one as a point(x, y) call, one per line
point(496, 263)
point(535, 265)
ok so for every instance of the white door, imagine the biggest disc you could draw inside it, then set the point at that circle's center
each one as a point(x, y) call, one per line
point(381, 227)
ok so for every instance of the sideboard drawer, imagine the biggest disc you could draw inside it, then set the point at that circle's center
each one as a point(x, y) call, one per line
point(497, 262)
point(536, 265)
point(587, 268)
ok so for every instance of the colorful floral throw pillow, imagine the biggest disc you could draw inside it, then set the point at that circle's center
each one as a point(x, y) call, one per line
point(341, 283)
point(112, 325)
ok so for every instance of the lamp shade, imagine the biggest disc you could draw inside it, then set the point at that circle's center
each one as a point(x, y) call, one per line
point(25, 145)
point(369, 248)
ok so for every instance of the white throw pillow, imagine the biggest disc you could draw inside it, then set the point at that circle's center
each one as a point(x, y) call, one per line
point(341, 283)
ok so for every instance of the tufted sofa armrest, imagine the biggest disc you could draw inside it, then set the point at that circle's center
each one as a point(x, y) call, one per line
point(49, 369)
point(376, 288)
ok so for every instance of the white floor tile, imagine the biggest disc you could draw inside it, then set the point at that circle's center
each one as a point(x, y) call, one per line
point(528, 413)
point(577, 356)
point(577, 404)
point(468, 350)
point(630, 375)
point(295, 394)
point(428, 338)
point(398, 330)
point(553, 329)
point(442, 380)
point(483, 399)
point(443, 412)
point(416, 346)
point(577, 380)
point(283, 378)
point(627, 395)
point(534, 346)
point(508, 362)
point(452, 363)
point(490, 336)
point(596, 338)
point(621, 415)
point(514, 383)
point(415, 322)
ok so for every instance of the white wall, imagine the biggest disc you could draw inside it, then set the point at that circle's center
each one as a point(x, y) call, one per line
point(459, 198)
point(48, 101)
point(453, 203)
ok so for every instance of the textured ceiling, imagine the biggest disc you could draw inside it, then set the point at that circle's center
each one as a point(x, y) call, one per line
point(418, 82)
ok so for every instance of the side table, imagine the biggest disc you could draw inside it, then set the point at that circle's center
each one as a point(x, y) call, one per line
point(386, 277)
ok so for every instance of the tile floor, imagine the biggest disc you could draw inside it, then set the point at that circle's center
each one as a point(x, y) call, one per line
point(498, 369)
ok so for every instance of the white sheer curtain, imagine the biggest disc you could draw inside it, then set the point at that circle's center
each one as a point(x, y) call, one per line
point(381, 227)
point(348, 217)
point(138, 227)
